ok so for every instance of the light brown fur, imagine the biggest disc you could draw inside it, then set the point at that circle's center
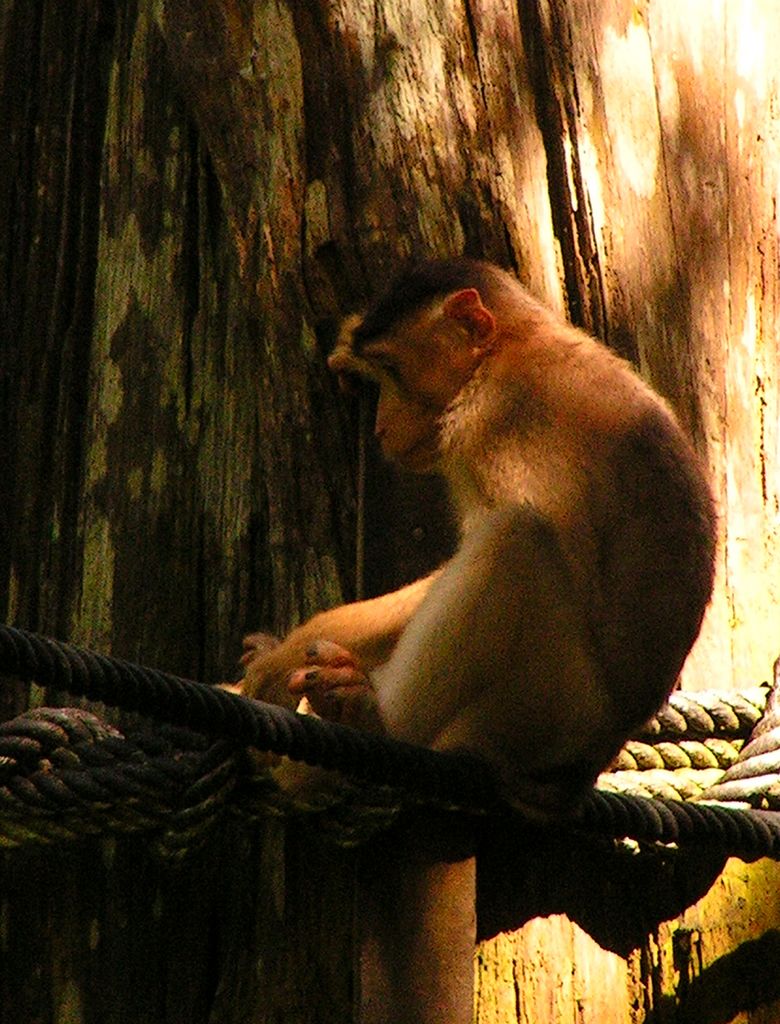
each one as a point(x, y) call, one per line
point(587, 541)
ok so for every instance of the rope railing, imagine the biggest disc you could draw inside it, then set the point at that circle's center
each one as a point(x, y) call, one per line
point(453, 780)
point(220, 713)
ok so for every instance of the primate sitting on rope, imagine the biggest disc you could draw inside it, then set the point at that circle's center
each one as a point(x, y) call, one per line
point(586, 558)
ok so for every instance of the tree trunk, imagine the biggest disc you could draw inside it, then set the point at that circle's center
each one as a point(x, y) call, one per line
point(192, 192)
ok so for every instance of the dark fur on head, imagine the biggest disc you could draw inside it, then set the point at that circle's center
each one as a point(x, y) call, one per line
point(418, 286)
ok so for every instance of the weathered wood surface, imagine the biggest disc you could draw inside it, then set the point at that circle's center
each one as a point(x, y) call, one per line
point(600, 936)
point(104, 932)
point(170, 262)
point(718, 961)
point(164, 427)
point(190, 192)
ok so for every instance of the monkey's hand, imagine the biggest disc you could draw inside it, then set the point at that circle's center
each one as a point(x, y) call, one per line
point(267, 663)
point(335, 686)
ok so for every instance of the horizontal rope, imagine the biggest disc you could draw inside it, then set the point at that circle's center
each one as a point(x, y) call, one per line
point(747, 834)
point(707, 713)
point(64, 773)
point(452, 779)
point(699, 755)
point(208, 709)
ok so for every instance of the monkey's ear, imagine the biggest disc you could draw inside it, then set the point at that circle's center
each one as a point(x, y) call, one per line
point(466, 306)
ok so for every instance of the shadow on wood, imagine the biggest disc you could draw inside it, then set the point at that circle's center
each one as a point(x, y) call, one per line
point(746, 979)
point(616, 894)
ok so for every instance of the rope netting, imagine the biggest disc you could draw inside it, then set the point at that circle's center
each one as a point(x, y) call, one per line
point(63, 771)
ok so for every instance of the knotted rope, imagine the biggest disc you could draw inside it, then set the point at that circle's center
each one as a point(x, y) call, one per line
point(65, 773)
point(60, 760)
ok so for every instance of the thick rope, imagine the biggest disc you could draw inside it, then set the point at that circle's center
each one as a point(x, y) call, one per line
point(698, 755)
point(216, 712)
point(739, 833)
point(65, 773)
point(755, 777)
point(452, 779)
point(694, 743)
point(707, 713)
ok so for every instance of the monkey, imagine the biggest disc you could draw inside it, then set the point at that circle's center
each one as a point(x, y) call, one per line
point(586, 552)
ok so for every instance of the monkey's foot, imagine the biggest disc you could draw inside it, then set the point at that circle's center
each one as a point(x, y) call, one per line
point(335, 686)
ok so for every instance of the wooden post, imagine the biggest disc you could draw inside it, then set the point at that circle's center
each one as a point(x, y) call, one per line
point(416, 924)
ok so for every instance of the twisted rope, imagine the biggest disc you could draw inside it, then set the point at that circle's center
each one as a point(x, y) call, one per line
point(194, 789)
point(739, 833)
point(707, 713)
point(430, 774)
point(723, 768)
point(65, 773)
point(698, 755)
point(755, 777)
point(675, 771)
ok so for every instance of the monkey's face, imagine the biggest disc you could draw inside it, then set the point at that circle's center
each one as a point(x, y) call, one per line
point(406, 419)
point(418, 368)
point(407, 428)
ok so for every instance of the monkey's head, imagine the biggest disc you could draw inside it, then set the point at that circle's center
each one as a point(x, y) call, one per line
point(419, 345)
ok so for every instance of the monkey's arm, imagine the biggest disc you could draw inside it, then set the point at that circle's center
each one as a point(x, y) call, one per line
point(368, 629)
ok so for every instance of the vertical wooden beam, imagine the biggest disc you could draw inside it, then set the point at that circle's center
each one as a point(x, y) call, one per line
point(416, 922)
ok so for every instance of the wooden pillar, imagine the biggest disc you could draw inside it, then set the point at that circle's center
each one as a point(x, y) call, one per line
point(416, 922)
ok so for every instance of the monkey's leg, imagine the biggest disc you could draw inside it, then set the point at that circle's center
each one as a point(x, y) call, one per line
point(417, 924)
point(369, 628)
point(499, 660)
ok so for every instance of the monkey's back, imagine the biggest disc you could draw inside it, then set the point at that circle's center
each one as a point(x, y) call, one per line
point(656, 554)
point(605, 460)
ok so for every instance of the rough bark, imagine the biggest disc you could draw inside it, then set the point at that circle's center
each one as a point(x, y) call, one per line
point(717, 961)
point(106, 932)
point(165, 424)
